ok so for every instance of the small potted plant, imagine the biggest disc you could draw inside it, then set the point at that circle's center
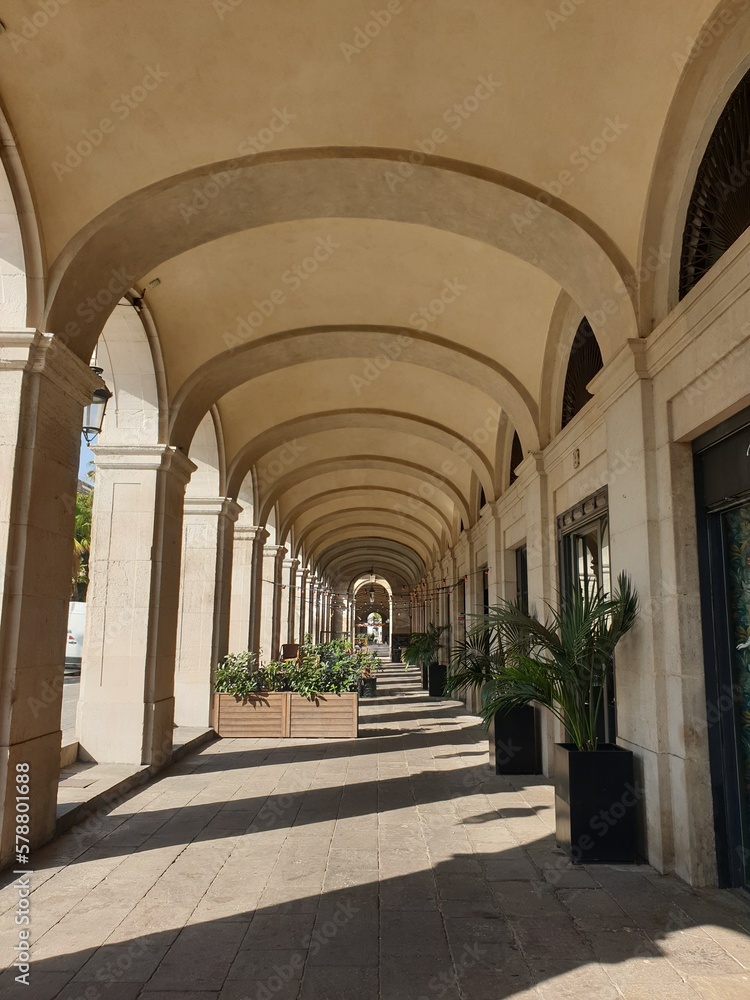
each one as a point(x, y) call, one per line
point(514, 738)
point(368, 682)
point(561, 663)
point(423, 651)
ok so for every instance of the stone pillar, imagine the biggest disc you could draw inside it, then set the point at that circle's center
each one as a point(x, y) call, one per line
point(270, 621)
point(43, 389)
point(203, 626)
point(126, 707)
point(258, 589)
point(301, 606)
point(288, 602)
point(312, 615)
point(648, 679)
point(244, 558)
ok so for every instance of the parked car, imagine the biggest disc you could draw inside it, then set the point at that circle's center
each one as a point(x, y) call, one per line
point(74, 645)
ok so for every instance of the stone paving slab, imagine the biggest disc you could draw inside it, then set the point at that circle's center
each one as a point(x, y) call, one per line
point(391, 867)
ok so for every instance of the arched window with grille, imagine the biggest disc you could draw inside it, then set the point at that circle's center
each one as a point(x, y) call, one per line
point(516, 457)
point(584, 362)
point(719, 209)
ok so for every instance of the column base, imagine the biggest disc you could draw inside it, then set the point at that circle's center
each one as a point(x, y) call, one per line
point(42, 754)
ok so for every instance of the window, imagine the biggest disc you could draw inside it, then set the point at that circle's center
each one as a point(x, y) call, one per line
point(585, 563)
point(516, 457)
point(719, 210)
point(522, 578)
point(584, 362)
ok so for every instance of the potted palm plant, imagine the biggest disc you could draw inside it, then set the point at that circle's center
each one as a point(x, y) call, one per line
point(423, 651)
point(476, 661)
point(561, 663)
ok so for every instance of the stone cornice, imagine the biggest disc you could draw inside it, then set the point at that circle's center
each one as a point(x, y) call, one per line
point(145, 457)
point(216, 506)
point(249, 532)
point(44, 354)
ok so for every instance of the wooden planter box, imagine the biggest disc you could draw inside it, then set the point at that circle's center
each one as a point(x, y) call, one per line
point(281, 714)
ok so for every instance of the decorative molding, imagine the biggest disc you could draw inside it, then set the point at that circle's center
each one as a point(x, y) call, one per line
point(583, 511)
point(145, 457)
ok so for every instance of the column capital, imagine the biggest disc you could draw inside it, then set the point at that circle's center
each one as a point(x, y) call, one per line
point(153, 457)
point(276, 552)
point(291, 565)
point(45, 354)
point(216, 506)
point(250, 533)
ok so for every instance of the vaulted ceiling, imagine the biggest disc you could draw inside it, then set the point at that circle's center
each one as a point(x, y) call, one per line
point(352, 231)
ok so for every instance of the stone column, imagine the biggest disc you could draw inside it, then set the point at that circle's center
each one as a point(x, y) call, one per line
point(244, 558)
point(126, 707)
point(270, 622)
point(257, 590)
point(304, 597)
point(43, 389)
point(648, 680)
point(203, 627)
point(288, 599)
point(300, 606)
point(312, 616)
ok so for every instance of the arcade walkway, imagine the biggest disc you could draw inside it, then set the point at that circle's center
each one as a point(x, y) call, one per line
point(393, 867)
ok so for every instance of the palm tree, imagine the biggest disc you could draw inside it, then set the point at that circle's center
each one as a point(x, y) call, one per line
point(560, 663)
point(81, 540)
point(423, 648)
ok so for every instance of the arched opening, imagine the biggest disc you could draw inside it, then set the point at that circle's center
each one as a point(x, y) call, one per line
point(516, 457)
point(719, 209)
point(584, 362)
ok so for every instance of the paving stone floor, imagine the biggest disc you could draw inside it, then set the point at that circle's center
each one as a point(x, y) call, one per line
point(393, 867)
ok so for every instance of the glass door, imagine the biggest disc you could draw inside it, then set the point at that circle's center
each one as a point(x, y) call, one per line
point(585, 564)
point(736, 537)
point(722, 488)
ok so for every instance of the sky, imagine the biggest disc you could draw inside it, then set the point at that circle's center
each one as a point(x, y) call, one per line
point(86, 457)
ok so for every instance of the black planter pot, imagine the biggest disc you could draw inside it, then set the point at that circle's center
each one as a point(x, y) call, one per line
point(596, 801)
point(424, 678)
point(515, 744)
point(368, 687)
point(437, 675)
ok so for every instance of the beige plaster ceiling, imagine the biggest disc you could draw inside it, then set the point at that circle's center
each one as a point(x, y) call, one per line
point(343, 249)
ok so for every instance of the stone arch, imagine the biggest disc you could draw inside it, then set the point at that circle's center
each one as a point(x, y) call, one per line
point(21, 258)
point(207, 452)
point(235, 367)
point(303, 472)
point(346, 492)
point(710, 74)
point(314, 423)
point(143, 229)
point(128, 351)
point(563, 327)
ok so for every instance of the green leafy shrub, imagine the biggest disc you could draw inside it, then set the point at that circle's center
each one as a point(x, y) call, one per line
point(326, 668)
